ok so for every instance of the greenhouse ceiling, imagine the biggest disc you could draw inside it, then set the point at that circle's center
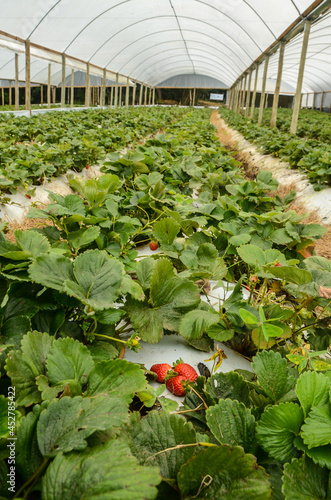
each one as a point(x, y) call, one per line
point(151, 41)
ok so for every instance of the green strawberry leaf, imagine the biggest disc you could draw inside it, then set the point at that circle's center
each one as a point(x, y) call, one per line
point(97, 473)
point(69, 360)
point(32, 242)
point(228, 385)
point(305, 480)
point(273, 374)
point(97, 279)
point(66, 423)
point(196, 322)
point(252, 255)
point(144, 271)
point(24, 365)
point(170, 298)
point(316, 431)
point(28, 456)
point(132, 287)
point(290, 274)
point(232, 423)
point(320, 455)
point(117, 378)
point(224, 472)
point(153, 438)
point(83, 237)
point(166, 230)
point(312, 390)
point(277, 429)
point(51, 271)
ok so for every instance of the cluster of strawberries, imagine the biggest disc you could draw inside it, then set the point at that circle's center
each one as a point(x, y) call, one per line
point(175, 378)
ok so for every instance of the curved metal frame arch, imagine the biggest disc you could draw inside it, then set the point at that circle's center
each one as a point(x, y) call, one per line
point(170, 41)
point(175, 72)
point(292, 80)
point(297, 9)
point(126, 1)
point(249, 6)
point(44, 17)
point(12, 59)
point(161, 52)
point(181, 62)
point(173, 57)
point(307, 79)
point(298, 40)
point(7, 62)
point(199, 1)
point(185, 17)
point(168, 31)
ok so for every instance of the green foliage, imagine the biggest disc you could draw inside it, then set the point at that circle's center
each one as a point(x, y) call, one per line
point(224, 472)
point(75, 293)
point(98, 472)
point(309, 151)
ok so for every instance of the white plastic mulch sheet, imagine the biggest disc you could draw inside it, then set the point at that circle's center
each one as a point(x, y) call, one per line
point(173, 347)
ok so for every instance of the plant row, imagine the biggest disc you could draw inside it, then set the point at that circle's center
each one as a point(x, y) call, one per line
point(312, 124)
point(307, 153)
point(33, 149)
point(74, 292)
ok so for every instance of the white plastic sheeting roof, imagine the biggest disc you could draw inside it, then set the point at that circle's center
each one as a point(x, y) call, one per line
point(153, 40)
point(192, 81)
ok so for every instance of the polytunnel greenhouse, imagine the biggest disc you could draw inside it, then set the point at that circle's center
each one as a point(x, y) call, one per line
point(165, 262)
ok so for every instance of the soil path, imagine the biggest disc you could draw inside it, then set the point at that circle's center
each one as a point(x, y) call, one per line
point(307, 201)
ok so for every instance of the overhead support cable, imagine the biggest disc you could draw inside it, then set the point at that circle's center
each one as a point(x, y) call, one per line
point(313, 13)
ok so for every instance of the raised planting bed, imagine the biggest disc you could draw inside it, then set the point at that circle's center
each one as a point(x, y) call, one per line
point(310, 152)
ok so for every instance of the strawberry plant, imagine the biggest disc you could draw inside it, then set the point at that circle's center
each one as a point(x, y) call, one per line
point(75, 292)
point(311, 154)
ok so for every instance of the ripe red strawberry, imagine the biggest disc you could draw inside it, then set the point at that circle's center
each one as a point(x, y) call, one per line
point(153, 245)
point(278, 264)
point(175, 385)
point(186, 371)
point(161, 370)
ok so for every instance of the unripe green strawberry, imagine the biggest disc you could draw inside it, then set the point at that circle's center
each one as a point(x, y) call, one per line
point(175, 385)
point(187, 371)
point(161, 370)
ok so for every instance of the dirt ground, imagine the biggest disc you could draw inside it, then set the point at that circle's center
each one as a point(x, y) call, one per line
point(233, 141)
